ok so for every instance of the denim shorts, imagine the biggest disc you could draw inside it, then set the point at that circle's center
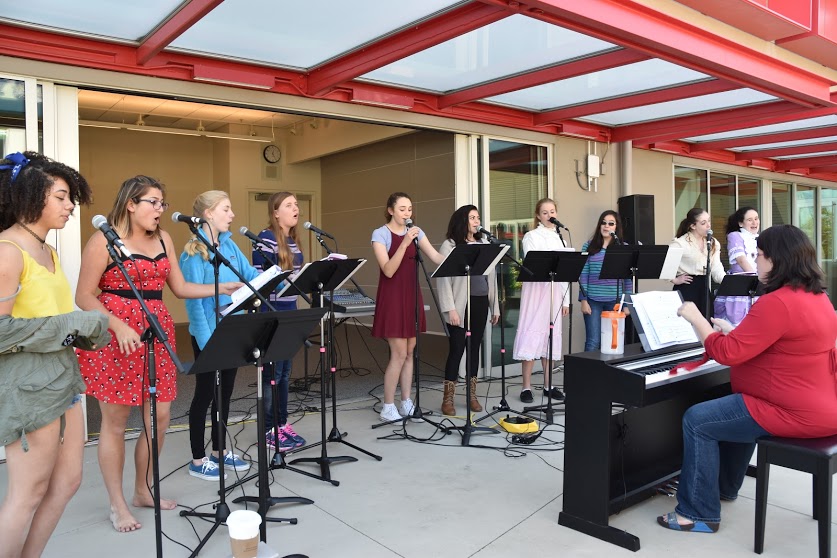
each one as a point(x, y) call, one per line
point(76, 399)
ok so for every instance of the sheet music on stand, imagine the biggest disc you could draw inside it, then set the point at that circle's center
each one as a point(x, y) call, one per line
point(660, 326)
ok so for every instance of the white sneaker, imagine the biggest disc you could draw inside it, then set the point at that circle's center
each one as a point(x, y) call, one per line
point(407, 408)
point(389, 413)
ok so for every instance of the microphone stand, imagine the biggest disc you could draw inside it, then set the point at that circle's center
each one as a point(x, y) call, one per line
point(154, 331)
point(503, 406)
point(708, 276)
point(222, 509)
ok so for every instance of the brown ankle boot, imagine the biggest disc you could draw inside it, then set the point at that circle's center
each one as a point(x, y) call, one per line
point(447, 399)
point(474, 403)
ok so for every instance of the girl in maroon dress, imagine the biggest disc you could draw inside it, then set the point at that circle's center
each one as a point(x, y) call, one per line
point(394, 245)
point(116, 374)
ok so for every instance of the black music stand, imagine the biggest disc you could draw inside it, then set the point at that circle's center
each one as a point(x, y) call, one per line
point(634, 261)
point(469, 260)
point(741, 285)
point(318, 278)
point(245, 339)
point(550, 266)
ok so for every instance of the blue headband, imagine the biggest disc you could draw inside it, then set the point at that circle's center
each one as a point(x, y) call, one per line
point(19, 161)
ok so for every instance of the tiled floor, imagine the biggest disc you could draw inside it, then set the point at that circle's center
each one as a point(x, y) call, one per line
point(435, 499)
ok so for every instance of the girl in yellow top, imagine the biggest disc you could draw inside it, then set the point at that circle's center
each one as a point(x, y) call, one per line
point(37, 195)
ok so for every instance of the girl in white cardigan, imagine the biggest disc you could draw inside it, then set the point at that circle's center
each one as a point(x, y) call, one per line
point(453, 300)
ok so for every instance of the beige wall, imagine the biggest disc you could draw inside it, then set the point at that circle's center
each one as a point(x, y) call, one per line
point(187, 166)
point(357, 183)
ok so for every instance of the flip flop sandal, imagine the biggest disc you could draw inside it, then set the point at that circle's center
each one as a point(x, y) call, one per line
point(669, 521)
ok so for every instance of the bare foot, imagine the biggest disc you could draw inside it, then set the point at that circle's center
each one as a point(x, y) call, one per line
point(124, 522)
point(147, 501)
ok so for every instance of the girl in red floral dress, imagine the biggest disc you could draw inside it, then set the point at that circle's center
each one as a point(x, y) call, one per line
point(116, 375)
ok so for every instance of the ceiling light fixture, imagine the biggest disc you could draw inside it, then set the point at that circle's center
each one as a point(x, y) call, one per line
point(174, 131)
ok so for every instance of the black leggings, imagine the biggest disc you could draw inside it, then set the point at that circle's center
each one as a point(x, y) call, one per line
point(204, 396)
point(457, 340)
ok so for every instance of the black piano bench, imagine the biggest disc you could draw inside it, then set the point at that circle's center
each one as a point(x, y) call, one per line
point(817, 456)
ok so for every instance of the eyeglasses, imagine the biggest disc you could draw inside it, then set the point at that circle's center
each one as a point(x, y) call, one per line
point(156, 204)
point(609, 223)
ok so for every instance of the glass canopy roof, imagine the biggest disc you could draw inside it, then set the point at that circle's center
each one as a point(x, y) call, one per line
point(484, 60)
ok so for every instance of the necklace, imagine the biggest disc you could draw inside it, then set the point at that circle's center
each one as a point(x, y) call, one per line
point(30, 231)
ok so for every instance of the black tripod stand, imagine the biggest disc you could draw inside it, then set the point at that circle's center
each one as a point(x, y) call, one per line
point(551, 266)
point(503, 405)
point(154, 332)
point(318, 278)
point(245, 339)
point(466, 261)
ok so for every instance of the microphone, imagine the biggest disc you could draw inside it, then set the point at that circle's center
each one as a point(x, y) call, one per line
point(178, 217)
point(253, 238)
point(557, 223)
point(101, 223)
point(408, 222)
point(316, 230)
point(616, 238)
point(488, 235)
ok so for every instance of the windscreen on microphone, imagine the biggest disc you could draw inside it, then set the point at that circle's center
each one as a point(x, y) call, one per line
point(246, 232)
point(316, 230)
point(101, 223)
point(557, 223)
point(178, 217)
point(616, 238)
point(709, 233)
point(408, 222)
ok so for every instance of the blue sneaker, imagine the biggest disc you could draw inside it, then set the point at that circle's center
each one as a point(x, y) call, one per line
point(232, 461)
point(207, 470)
point(291, 434)
point(283, 445)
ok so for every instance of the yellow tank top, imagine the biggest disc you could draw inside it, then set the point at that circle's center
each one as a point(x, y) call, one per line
point(42, 293)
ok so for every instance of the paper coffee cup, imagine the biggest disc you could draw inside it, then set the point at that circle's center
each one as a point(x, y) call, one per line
point(243, 527)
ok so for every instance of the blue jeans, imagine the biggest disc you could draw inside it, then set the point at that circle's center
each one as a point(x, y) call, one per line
point(719, 437)
point(593, 324)
point(281, 373)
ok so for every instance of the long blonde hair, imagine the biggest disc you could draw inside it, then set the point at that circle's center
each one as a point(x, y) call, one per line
point(206, 201)
point(286, 258)
point(132, 190)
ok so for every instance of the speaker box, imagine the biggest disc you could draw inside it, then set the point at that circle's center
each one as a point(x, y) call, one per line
point(637, 213)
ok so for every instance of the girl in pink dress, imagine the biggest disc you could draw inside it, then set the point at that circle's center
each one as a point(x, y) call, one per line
point(532, 339)
point(116, 374)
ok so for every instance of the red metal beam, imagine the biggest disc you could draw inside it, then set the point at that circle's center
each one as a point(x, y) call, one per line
point(416, 38)
point(719, 121)
point(806, 162)
point(637, 100)
point(786, 151)
point(826, 168)
point(177, 24)
point(777, 137)
point(590, 64)
point(633, 25)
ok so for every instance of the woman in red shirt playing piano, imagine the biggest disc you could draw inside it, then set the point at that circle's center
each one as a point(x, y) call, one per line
point(783, 369)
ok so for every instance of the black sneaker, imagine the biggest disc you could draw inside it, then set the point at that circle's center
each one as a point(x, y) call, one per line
point(554, 393)
point(526, 396)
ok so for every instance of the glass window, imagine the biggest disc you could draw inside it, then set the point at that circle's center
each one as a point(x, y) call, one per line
point(781, 197)
point(13, 115)
point(722, 205)
point(517, 179)
point(828, 242)
point(806, 216)
point(689, 191)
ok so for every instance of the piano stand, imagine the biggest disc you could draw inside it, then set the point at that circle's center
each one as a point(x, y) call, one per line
point(602, 532)
point(613, 460)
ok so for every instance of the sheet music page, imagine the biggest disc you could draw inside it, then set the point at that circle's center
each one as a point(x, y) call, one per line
point(657, 310)
point(258, 282)
point(671, 263)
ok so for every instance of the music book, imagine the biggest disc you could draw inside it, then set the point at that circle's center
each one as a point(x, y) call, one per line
point(242, 294)
point(660, 326)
